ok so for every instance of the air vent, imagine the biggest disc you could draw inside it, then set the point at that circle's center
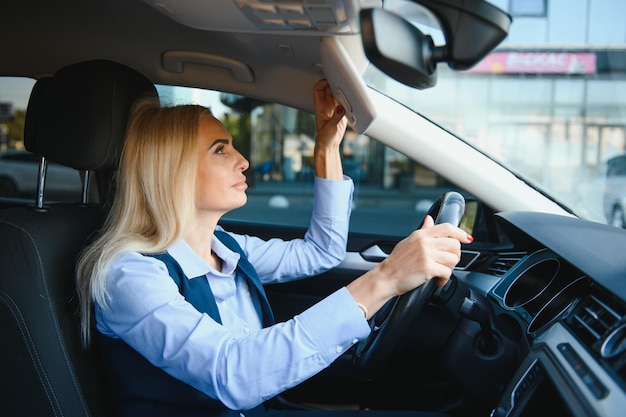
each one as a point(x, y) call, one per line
point(503, 262)
point(592, 321)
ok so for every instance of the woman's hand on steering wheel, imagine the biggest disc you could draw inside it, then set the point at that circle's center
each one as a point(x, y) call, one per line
point(427, 255)
point(429, 252)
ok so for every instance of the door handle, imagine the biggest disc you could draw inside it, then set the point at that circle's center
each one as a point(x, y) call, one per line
point(374, 254)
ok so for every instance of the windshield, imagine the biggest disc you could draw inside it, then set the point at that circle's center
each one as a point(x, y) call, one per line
point(549, 103)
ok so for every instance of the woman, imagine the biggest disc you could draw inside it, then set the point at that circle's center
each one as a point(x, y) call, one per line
point(182, 320)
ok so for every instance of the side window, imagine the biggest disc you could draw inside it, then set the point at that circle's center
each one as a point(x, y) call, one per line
point(278, 142)
point(18, 167)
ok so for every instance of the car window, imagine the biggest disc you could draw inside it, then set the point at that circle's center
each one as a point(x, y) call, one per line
point(18, 167)
point(278, 142)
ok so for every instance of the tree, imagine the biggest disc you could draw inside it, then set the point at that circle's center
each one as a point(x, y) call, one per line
point(15, 130)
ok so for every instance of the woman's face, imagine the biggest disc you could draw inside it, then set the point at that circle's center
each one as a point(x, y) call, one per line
point(220, 183)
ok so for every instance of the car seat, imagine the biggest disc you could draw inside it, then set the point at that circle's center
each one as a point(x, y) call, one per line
point(77, 118)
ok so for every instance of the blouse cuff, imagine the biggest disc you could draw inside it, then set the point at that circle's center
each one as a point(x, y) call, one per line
point(349, 326)
point(333, 198)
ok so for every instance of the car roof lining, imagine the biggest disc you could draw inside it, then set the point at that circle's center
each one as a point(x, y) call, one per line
point(153, 34)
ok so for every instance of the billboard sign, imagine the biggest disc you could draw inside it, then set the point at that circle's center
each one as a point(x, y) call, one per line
point(537, 63)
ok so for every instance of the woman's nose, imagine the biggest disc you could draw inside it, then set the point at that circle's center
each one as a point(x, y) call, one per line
point(244, 164)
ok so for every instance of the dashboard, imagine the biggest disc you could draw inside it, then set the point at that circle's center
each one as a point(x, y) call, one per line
point(564, 284)
point(554, 292)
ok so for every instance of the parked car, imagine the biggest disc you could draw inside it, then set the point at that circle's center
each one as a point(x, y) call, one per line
point(19, 171)
point(510, 103)
point(615, 191)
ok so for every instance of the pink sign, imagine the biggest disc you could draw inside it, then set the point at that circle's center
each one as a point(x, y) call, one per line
point(537, 63)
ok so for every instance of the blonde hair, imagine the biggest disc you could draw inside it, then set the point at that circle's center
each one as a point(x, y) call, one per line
point(155, 195)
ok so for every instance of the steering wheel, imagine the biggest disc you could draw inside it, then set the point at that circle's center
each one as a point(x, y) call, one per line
point(389, 323)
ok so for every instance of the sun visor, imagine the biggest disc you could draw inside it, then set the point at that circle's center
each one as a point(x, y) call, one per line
point(346, 81)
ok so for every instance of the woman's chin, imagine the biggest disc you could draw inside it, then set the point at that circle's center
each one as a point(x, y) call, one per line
point(244, 200)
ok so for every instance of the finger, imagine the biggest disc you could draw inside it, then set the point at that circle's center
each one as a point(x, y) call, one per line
point(428, 222)
point(449, 256)
point(442, 281)
point(323, 94)
point(325, 110)
point(448, 230)
point(320, 93)
point(440, 273)
point(338, 114)
point(320, 85)
point(332, 128)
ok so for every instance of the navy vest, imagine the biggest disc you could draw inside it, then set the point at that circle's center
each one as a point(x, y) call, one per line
point(142, 389)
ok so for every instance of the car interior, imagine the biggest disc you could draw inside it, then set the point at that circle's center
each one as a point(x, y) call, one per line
point(533, 320)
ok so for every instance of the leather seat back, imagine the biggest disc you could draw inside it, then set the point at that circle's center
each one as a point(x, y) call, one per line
point(77, 118)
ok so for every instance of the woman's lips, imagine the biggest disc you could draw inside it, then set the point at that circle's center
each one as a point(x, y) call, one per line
point(241, 185)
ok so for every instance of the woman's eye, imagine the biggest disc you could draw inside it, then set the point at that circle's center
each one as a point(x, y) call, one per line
point(220, 149)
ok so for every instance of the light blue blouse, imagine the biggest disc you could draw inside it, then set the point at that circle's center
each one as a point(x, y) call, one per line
point(238, 362)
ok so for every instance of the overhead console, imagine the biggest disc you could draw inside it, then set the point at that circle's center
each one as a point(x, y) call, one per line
point(305, 16)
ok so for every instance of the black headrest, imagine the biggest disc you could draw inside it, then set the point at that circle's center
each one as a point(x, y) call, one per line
point(78, 117)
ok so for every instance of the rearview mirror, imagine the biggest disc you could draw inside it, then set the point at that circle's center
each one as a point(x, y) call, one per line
point(471, 28)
